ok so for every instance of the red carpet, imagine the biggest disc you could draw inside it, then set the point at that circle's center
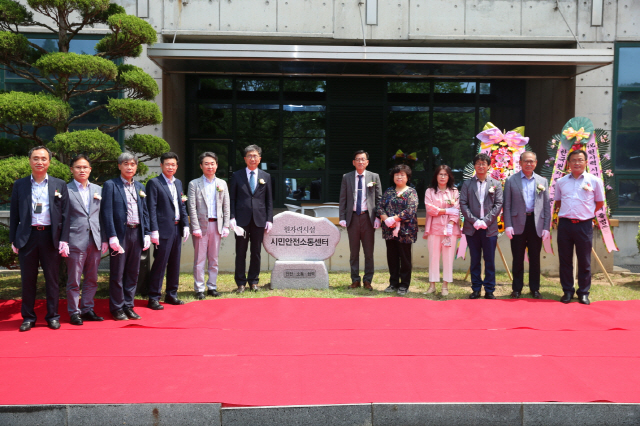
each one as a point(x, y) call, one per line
point(278, 351)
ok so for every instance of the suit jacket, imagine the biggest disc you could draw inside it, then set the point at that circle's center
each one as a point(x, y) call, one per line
point(199, 207)
point(348, 195)
point(84, 224)
point(245, 205)
point(21, 208)
point(515, 209)
point(162, 212)
point(113, 210)
point(470, 205)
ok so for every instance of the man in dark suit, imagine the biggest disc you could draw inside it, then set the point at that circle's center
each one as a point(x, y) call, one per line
point(125, 219)
point(527, 217)
point(360, 193)
point(169, 229)
point(252, 210)
point(87, 241)
point(39, 234)
point(481, 203)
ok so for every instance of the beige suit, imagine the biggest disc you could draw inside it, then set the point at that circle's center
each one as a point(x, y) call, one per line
point(207, 247)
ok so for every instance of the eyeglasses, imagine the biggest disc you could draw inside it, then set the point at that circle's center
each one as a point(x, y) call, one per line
point(577, 160)
point(252, 157)
point(528, 161)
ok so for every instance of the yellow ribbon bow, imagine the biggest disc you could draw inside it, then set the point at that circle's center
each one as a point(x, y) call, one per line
point(570, 133)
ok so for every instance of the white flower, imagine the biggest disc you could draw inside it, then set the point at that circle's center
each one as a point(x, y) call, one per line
point(97, 196)
point(142, 194)
point(540, 188)
point(492, 189)
point(58, 194)
point(587, 187)
point(184, 198)
point(261, 181)
point(219, 188)
point(371, 184)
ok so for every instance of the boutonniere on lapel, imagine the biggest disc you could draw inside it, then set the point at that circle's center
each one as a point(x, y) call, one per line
point(371, 184)
point(261, 181)
point(58, 194)
point(142, 194)
point(97, 196)
point(219, 188)
point(183, 197)
point(587, 187)
point(539, 188)
point(492, 189)
point(450, 201)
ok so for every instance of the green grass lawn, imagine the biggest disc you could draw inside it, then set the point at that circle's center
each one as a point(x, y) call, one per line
point(626, 287)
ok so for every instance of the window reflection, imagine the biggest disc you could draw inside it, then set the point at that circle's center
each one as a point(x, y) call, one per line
point(210, 119)
point(629, 110)
point(258, 121)
point(629, 193)
point(267, 85)
point(409, 87)
point(628, 151)
point(628, 65)
point(303, 188)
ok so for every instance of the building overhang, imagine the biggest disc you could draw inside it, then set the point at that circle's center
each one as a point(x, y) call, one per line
point(366, 61)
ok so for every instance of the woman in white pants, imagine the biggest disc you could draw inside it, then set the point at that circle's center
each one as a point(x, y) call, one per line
point(442, 226)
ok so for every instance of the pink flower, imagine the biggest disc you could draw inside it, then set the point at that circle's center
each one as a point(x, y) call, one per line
point(607, 156)
point(609, 188)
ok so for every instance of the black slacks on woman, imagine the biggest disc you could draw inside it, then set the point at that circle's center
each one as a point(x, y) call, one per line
point(399, 261)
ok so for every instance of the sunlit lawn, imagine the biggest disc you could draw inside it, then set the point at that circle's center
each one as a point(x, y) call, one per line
point(626, 287)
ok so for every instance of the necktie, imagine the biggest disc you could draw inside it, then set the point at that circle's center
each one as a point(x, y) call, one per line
point(252, 182)
point(359, 198)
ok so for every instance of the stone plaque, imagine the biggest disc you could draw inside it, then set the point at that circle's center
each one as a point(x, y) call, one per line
point(300, 243)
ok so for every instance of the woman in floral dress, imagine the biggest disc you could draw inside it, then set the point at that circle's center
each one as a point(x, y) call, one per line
point(397, 210)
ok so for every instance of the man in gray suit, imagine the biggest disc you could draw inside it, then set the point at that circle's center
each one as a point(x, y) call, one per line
point(360, 193)
point(527, 217)
point(208, 203)
point(481, 203)
point(86, 241)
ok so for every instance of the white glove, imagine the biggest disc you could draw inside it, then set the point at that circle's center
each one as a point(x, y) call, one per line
point(233, 224)
point(268, 227)
point(479, 224)
point(396, 231)
point(197, 233)
point(155, 238)
point(449, 229)
point(390, 221)
point(114, 243)
point(63, 249)
point(483, 225)
point(239, 231)
point(432, 210)
point(452, 211)
point(343, 223)
point(147, 242)
point(377, 223)
point(546, 235)
point(225, 232)
point(105, 247)
point(509, 232)
point(185, 234)
point(15, 250)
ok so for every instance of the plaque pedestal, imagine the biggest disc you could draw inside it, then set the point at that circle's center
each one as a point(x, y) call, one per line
point(300, 274)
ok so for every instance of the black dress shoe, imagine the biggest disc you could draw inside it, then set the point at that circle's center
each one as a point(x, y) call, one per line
point(489, 296)
point(200, 295)
point(53, 324)
point(584, 299)
point(240, 289)
point(129, 312)
point(213, 293)
point(27, 325)
point(474, 295)
point(536, 294)
point(76, 320)
point(91, 316)
point(172, 301)
point(566, 298)
point(254, 287)
point(515, 295)
point(155, 305)
point(119, 315)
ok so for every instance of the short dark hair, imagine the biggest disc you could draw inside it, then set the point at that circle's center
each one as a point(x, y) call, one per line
point(576, 152)
point(434, 180)
point(360, 151)
point(169, 155)
point(79, 157)
point(35, 148)
point(530, 152)
point(207, 154)
point(482, 157)
point(250, 148)
point(399, 168)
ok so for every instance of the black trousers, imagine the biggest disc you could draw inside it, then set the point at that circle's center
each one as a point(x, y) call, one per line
point(361, 232)
point(519, 243)
point(253, 238)
point(39, 251)
point(399, 261)
point(166, 257)
point(124, 270)
point(580, 236)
